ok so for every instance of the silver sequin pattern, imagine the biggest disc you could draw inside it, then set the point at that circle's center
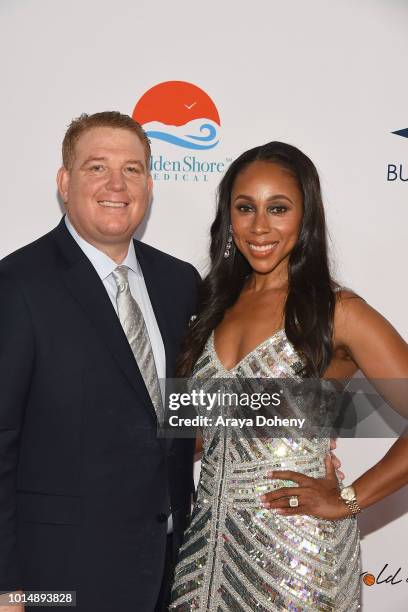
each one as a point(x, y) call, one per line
point(238, 556)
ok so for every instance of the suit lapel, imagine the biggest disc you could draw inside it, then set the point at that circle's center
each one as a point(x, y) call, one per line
point(158, 295)
point(88, 290)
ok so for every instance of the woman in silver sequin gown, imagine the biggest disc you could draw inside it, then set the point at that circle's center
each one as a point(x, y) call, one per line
point(239, 554)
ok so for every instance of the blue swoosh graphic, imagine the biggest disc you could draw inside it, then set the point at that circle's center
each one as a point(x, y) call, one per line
point(181, 142)
point(212, 132)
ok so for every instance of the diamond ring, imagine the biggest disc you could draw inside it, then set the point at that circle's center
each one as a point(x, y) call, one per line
point(293, 501)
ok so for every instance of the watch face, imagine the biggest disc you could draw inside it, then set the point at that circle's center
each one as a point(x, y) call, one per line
point(348, 493)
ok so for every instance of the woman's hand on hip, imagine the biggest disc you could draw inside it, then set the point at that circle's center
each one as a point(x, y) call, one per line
point(319, 497)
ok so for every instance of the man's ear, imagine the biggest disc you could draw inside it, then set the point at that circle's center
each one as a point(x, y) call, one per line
point(63, 178)
point(150, 182)
point(150, 188)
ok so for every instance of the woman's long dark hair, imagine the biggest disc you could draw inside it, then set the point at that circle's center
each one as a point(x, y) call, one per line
point(310, 301)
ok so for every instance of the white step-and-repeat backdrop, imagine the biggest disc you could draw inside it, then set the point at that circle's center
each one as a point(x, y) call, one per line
point(326, 76)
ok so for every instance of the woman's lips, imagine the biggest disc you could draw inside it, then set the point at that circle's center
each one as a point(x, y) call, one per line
point(261, 250)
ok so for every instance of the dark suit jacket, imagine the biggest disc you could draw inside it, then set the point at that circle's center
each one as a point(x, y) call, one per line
point(84, 481)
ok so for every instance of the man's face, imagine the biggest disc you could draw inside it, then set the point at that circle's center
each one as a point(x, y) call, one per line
point(107, 190)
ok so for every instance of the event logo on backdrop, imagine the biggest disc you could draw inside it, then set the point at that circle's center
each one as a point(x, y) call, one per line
point(386, 575)
point(395, 172)
point(184, 127)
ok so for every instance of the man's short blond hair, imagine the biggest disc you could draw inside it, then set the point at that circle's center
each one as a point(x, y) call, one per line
point(111, 119)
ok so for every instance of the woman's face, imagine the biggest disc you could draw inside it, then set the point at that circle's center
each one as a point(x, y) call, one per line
point(266, 216)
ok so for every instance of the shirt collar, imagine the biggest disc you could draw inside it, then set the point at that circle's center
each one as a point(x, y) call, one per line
point(102, 263)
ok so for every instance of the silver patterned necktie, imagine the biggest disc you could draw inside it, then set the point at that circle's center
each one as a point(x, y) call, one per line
point(134, 326)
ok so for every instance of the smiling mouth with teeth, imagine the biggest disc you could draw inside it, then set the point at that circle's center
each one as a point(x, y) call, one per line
point(262, 248)
point(109, 204)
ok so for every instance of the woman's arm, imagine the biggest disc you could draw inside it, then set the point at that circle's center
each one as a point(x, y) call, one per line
point(382, 355)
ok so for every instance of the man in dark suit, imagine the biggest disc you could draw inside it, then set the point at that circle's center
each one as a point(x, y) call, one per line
point(86, 486)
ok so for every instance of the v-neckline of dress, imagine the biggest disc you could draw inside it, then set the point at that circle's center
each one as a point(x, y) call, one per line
point(256, 348)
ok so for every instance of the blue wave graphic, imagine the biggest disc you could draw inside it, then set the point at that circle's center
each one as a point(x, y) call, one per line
point(180, 142)
point(212, 132)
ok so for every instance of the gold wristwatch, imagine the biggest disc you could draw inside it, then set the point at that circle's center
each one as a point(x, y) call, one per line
point(348, 495)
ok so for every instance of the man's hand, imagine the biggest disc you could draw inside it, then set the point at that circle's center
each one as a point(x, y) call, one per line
point(5, 601)
point(335, 460)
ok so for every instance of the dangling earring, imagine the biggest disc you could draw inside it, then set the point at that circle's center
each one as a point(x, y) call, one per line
point(228, 246)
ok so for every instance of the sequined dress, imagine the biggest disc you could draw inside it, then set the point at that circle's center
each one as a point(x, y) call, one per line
point(237, 556)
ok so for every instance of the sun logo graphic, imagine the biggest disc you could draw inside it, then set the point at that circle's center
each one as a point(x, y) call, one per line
point(179, 113)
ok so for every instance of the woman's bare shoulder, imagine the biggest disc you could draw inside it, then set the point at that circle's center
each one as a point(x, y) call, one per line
point(351, 309)
point(367, 335)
